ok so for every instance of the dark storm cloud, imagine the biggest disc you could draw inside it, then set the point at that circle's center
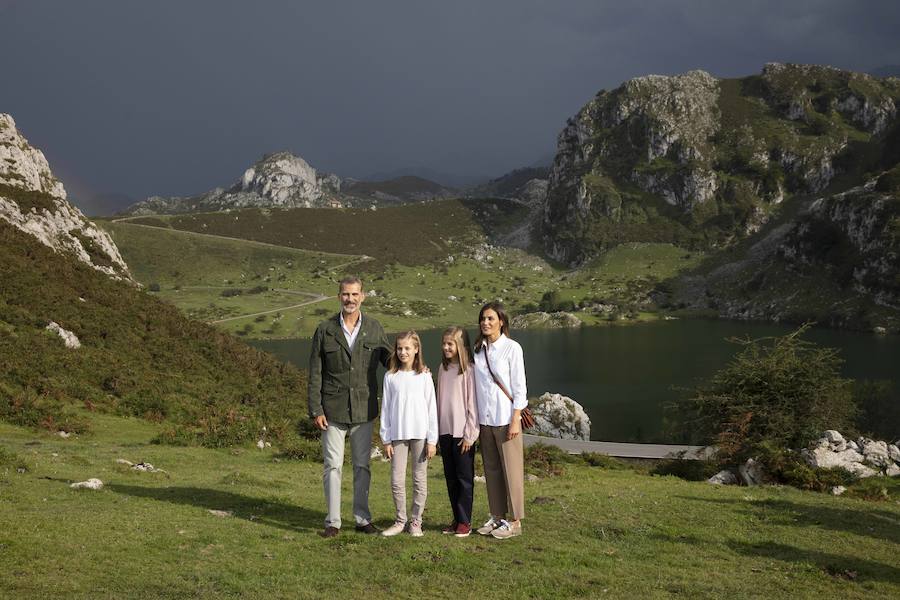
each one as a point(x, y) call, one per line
point(177, 97)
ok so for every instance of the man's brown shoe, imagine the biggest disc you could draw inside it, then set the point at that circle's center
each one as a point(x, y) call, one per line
point(368, 529)
point(330, 532)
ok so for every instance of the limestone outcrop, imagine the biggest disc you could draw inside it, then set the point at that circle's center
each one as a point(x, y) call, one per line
point(559, 416)
point(862, 457)
point(700, 161)
point(33, 200)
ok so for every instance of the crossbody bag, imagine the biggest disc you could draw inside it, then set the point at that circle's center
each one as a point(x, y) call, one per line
point(527, 417)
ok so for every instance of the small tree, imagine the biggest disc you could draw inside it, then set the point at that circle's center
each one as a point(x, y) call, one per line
point(780, 392)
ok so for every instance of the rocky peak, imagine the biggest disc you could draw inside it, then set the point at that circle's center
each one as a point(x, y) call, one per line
point(34, 200)
point(279, 180)
point(702, 162)
point(23, 166)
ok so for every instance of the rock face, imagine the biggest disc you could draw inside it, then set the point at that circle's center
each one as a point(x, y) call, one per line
point(700, 161)
point(543, 320)
point(280, 180)
point(863, 457)
point(560, 417)
point(34, 200)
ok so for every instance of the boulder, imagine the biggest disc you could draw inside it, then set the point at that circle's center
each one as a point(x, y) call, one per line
point(68, 338)
point(860, 470)
point(752, 472)
point(725, 477)
point(543, 320)
point(892, 471)
point(834, 437)
point(876, 452)
point(560, 417)
point(91, 484)
point(826, 458)
point(838, 490)
point(894, 453)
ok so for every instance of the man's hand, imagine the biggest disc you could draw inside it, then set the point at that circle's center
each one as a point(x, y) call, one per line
point(430, 451)
point(464, 445)
point(388, 451)
point(321, 422)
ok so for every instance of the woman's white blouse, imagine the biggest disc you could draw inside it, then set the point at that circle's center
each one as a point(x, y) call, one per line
point(409, 407)
point(508, 364)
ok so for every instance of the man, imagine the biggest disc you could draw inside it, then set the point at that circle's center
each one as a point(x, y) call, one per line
point(343, 398)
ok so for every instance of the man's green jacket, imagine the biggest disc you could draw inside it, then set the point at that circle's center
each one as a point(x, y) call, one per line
point(343, 383)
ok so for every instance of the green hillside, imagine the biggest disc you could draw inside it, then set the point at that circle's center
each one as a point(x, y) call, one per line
point(138, 356)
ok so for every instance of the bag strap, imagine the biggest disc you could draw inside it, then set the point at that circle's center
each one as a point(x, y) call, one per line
point(487, 361)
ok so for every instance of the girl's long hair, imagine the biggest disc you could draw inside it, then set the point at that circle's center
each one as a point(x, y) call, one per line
point(418, 361)
point(460, 337)
point(497, 307)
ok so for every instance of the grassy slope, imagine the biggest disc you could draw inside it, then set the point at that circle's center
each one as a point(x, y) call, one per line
point(138, 356)
point(414, 293)
point(593, 533)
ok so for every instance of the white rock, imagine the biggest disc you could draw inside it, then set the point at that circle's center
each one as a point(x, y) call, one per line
point(479, 478)
point(91, 484)
point(894, 453)
point(63, 434)
point(376, 453)
point(221, 513)
point(876, 452)
point(838, 490)
point(560, 417)
point(68, 338)
point(725, 477)
point(752, 472)
point(860, 470)
point(261, 444)
point(531, 477)
point(851, 445)
point(892, 471)
point(834, 436)
point(826, 459)
point(122, 461)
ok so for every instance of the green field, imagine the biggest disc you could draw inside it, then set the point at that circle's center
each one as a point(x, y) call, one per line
point(426, 290)
point(590, 532)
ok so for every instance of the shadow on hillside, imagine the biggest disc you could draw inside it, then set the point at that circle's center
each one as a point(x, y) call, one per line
point(839, 566)
point(257, 510)
point(877, 524)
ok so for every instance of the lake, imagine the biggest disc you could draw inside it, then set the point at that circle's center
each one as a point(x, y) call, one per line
point(625, 375)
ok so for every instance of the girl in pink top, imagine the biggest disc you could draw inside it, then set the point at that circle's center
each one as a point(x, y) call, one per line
point(457, 426)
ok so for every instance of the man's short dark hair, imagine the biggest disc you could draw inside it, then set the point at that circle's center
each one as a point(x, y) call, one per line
point(350, 280)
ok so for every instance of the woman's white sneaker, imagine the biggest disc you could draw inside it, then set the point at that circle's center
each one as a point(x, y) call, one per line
point(507, 530)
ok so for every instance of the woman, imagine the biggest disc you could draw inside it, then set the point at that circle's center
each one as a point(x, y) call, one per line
point(501, 396)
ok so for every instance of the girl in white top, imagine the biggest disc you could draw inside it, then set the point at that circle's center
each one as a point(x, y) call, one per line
point(409, 428)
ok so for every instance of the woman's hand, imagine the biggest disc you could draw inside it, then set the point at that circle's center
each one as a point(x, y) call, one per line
point(388, 451)
point(464, 445)
point(515, 425)
point(430, 451)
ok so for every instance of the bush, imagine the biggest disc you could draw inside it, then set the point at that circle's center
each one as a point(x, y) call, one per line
point(780, 391)
point(300, 448)
point(546, 461)
point(787, 467)
point(153, 287)
point(231, 292)
point(691, 470)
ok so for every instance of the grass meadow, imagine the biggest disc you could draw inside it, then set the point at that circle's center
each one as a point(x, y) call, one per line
point(200, 274)
point(590, 532)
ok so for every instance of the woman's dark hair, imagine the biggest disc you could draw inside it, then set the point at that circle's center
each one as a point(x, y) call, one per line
point(497, 307)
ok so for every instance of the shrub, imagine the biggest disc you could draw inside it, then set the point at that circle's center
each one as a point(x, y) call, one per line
point(300, 448)
point(153, 287)
point(603, 461)
point(780, 391)
point(691, 470)
point(231, 292)
point(546, 461)
point(787, 467)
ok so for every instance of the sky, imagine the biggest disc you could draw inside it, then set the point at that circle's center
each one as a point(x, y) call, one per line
point(129, 99)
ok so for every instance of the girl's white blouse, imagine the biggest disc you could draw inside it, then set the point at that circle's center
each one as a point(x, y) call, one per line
point(508, 364)
point(409, 407)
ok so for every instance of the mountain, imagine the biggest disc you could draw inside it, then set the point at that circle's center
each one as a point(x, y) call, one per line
point(397, 191)
point(528, 184)
point(279, 180)
point(34, 201)
point(451, 180)
point(77, 335)
point(704, 162)
point(283, 180)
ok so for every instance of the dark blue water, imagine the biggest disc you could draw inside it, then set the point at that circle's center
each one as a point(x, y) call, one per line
point(623, 376)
